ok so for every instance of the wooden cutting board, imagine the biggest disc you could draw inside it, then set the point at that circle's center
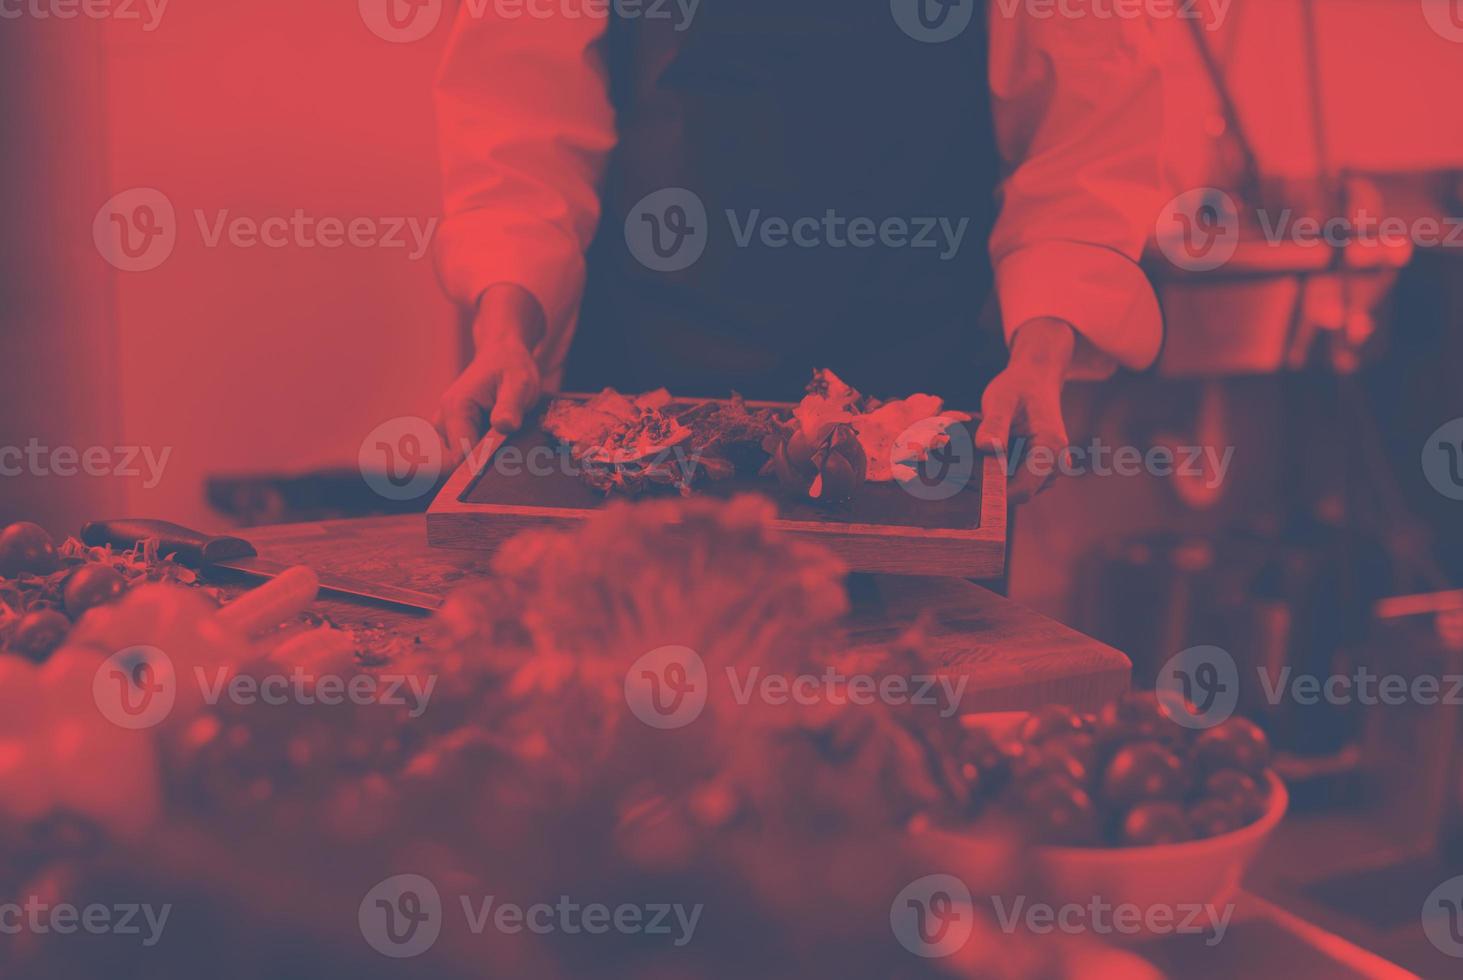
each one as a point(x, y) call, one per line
point(887, 529)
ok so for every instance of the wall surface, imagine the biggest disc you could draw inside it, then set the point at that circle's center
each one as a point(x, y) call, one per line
point(264, 340)
point(253, 357)
point(58, 351)
point(1387, 80)
point(229, 356)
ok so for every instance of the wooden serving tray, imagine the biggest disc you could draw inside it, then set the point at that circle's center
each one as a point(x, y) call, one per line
point(886, 529)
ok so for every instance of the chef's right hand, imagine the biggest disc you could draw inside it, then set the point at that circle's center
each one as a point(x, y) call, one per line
point(503, 381)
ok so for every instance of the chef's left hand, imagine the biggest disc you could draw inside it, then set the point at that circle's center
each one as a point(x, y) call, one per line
point(1022, 406)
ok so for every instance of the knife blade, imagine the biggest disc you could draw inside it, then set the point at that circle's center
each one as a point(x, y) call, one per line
point(204, 551)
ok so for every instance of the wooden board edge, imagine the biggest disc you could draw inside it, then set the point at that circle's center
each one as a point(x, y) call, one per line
point(974, 557)
point(453, 522)
point(992, 510)
point(449, 498)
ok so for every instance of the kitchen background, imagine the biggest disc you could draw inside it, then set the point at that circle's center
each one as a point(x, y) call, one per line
point(259, 371)
point(261, 361)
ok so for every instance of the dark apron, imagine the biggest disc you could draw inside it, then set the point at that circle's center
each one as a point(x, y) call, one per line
point(789, 109)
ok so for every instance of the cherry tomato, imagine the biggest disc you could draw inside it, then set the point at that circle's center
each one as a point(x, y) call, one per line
point(1041, 761)
point(978, 746)
point(1137, 716)
point(1050, 721)
point(26, 548)
point(1234, 744)
point(1239, 789)
point(1058, 811)
point(39, 633)
point(1080, 747)
point(91, 585)
point(362, 809)
point(1142, 772)
point(1215, 816)
point(1155, 823)
point(990, 760)
point(972, 784)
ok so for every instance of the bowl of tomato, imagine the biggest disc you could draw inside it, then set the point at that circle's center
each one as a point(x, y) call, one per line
point(1130, 806)
point(1173, 876)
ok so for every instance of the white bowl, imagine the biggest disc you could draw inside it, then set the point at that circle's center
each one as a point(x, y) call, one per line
point(1196, 872)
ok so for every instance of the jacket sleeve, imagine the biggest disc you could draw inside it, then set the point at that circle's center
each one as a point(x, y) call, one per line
point(1078, 111)
point(525, 126)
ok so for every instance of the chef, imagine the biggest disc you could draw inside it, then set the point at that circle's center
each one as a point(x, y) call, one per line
point(946, 196)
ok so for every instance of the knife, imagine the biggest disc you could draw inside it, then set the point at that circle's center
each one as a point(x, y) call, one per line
point(204, 551)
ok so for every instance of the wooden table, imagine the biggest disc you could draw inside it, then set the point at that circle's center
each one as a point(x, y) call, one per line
point(1016, 659)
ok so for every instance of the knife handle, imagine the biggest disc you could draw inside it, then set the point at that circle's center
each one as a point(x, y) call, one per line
point(190, 547)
